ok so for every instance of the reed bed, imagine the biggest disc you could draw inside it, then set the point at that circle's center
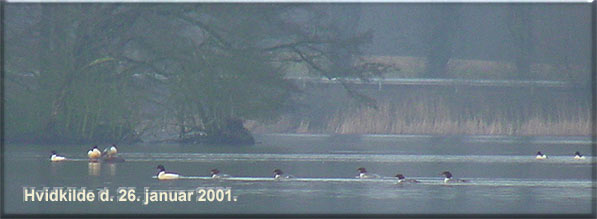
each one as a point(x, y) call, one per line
point(429, 121)
point(447, 112)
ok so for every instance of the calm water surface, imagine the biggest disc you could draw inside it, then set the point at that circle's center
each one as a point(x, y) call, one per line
point(505, 177)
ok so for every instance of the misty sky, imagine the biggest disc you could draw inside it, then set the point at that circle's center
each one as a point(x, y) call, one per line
point(561, 29)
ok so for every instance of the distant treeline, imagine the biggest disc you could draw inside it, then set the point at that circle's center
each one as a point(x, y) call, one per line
point(462, 110)
point(204, 73)
point(112, 72)
point(414, 67)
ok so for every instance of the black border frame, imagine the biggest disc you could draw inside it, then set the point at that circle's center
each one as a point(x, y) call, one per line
point(593, 146)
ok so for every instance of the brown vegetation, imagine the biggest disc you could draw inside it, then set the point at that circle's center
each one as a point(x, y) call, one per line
point(445, 111)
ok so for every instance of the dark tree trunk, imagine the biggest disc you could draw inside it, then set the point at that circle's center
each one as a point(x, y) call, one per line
point(342, 54)
point(46, 65)
point(519, 23)
point(445, 21)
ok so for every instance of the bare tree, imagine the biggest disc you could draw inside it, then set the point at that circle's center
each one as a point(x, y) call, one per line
point(521, 30)
point(445, 21)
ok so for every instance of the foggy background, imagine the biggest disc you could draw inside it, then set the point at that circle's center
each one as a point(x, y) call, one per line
point(318, 92)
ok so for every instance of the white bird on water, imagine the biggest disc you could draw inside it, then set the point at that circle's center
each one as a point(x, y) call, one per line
point(163, 175)
point(55, 157)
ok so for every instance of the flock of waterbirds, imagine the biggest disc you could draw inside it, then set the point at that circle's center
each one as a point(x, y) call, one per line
point(109, 154)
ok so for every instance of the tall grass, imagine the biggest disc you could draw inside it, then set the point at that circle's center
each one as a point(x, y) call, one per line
point(448, 111)
point(429, 119)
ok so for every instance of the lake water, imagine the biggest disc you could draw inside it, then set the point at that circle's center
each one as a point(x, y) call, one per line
point(505, 178)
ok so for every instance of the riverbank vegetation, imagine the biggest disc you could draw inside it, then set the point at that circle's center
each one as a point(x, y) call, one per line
point(214, 73)
point(444, 111)
point(110, 72)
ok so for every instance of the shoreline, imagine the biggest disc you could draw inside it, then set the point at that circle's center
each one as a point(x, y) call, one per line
point(540, 139)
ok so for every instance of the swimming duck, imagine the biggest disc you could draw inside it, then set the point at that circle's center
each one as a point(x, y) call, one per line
point(94, 153)
point(449, 178)
point(364, 175)
point(278, 174)
point(541, 156)
point(55, 157)
point(215, 173)
point(163, 175)
point(578, 156)
point(111, 151)
point(110, 155)
point(402, 179)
